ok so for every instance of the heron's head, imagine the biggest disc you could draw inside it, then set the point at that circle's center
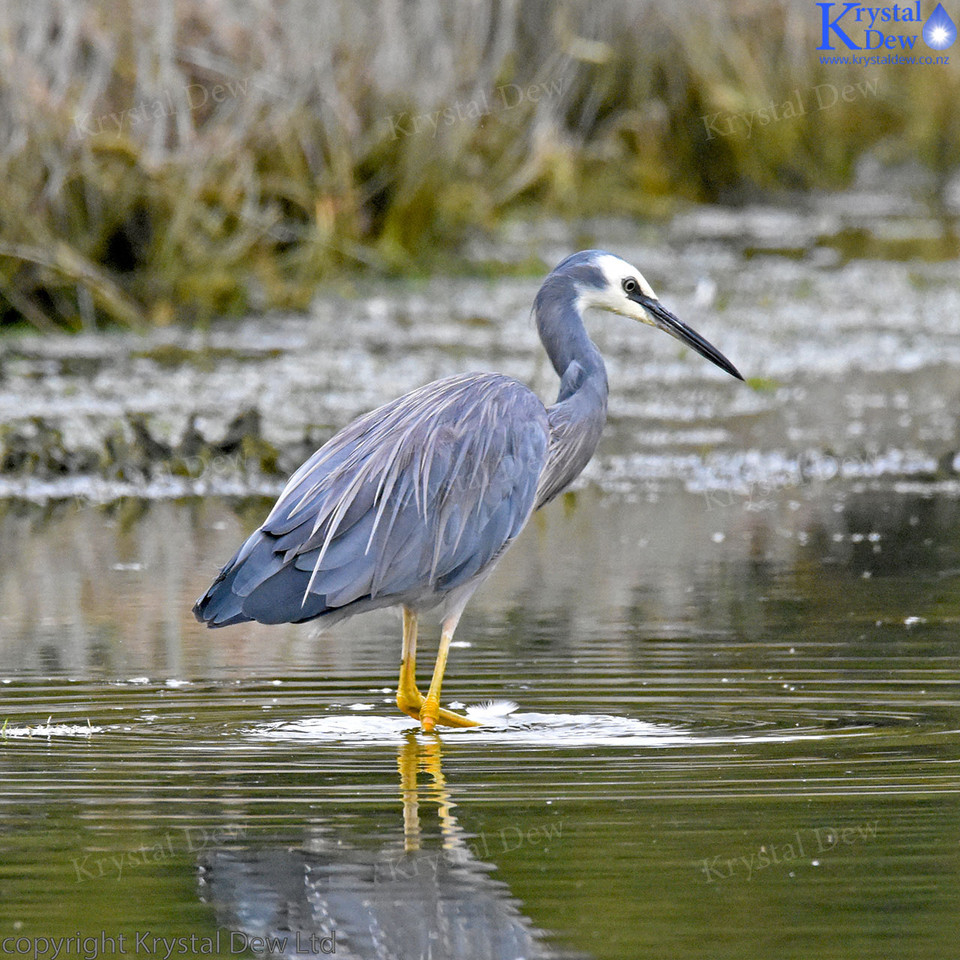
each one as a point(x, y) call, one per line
point(605, 281)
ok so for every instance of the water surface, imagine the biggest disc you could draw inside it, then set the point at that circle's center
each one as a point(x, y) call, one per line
point(734, 725)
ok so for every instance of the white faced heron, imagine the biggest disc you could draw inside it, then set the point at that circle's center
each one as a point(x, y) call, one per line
point(413, 504)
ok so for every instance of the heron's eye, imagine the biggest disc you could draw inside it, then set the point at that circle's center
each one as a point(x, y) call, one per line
point(630, 286)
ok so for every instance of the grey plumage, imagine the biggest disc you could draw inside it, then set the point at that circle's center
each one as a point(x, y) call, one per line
point(400, 507)
point(414, 503)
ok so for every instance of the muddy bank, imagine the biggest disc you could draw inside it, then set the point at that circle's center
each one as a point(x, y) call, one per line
point(844, 314)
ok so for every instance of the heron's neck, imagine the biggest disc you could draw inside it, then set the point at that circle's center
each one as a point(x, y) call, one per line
point(573, 354)
point(577, 418)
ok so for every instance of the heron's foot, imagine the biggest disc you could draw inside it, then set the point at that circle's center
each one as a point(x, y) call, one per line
point(415, 705)
point(429, 713)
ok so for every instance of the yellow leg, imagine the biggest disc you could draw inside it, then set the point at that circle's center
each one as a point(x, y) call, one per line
point(431, 712)
point(409, 698)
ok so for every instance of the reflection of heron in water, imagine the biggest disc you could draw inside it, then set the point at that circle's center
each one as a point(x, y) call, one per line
point(409, 898)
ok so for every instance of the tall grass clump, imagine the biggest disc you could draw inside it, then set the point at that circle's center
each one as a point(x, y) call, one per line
point(171, 160)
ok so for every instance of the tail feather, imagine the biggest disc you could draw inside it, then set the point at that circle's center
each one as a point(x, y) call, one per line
point(257, 585)
point(220, 606)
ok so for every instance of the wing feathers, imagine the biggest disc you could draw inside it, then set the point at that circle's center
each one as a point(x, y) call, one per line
point(404, 504)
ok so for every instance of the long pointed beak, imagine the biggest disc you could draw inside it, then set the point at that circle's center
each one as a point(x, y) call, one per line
point(666, 321)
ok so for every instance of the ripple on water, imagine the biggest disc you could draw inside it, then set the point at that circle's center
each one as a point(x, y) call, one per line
point(48, 730)
point(522, 729)
point(544, 730)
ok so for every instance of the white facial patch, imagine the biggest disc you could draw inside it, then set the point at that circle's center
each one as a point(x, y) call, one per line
point(617, 270)
point(612, 296)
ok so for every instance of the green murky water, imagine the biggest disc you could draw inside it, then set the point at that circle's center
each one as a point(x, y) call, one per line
point(736, 735)
point(734, 649)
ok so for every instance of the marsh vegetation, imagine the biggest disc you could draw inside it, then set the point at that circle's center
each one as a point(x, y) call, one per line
point(210, 157)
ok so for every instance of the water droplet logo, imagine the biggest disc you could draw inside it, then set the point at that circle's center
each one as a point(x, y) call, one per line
point(939, 32)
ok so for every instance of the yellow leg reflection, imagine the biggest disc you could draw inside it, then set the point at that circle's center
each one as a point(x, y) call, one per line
point(409, 699)
point(413, 758)
point(407, 765)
